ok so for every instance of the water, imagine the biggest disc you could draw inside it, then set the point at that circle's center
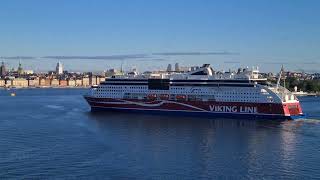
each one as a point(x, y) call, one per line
point(51, 134)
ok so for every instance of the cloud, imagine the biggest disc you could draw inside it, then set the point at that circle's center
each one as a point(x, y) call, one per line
point(141, 57)
point(154, 59)
point(17, 57)
point(231, 62)
point(110, 57)
point(302, 62)
point(312, 63)
point(277, 63)
point(194, 53)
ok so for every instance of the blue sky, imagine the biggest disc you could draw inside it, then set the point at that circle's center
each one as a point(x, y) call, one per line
point(227, 33)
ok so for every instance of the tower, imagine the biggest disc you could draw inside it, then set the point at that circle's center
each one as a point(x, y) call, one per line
point(169, 68)
point(3, 70)
point(59, 68)
point(177, 67)
point(20, 70)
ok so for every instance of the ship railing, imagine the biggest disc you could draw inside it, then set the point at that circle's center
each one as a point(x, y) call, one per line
point(281, 91)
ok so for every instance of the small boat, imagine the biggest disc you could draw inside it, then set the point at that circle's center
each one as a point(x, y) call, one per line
point(13, 94)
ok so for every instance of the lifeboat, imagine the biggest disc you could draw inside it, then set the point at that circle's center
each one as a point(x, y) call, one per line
point(152, 96)
point(164, 96)
point(181, 97)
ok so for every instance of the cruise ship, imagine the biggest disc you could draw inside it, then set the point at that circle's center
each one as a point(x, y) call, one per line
point(201, 91)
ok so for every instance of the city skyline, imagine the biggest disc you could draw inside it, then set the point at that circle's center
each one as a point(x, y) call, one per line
point(102, 65)
point(59, 68)
point(151, 34)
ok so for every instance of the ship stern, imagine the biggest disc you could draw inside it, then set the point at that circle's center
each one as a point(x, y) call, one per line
point(293, 110)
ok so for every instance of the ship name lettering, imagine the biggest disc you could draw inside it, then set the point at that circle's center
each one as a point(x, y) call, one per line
point(246, 109)
point(234, 109)
point(223, 108)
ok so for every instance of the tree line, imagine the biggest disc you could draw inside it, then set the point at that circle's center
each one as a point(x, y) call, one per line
point(308, 85)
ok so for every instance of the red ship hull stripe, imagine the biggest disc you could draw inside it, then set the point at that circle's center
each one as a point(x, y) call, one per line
point(142, 109)
point(286, 109)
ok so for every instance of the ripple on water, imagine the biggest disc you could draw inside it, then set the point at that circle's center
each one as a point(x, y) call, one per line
point(56, 136)
point(55, 107)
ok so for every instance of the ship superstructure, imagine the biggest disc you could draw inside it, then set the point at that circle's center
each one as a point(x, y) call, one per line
point(203, 91)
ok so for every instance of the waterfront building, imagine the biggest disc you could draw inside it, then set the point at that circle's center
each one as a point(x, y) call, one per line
point(85, 81)
point(47, 82)
point(19, 82)
point(63, 82)
point(33, 82)
point(78, 82)
point(8, 82)
point(54, 82)
point(93, 80)
point(2, 82)
point(98, 80)
point(42, 82)
point(71, 82)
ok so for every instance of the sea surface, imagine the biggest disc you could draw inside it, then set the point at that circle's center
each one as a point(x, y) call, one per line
point(51, 134)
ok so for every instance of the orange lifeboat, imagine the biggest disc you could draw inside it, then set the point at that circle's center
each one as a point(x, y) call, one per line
point(152, 96)
point(164, 96)
point(181, 97)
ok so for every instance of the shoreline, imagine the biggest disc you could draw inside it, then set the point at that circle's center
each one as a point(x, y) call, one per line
point(307, 94)
point(47, 87)
point(88, 87)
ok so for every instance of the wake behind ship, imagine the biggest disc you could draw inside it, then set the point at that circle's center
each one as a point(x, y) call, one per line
point(201, 92)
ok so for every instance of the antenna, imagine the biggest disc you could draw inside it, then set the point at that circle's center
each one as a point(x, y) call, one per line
point(280, 74)
point(121, 70)
point(19, 61)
